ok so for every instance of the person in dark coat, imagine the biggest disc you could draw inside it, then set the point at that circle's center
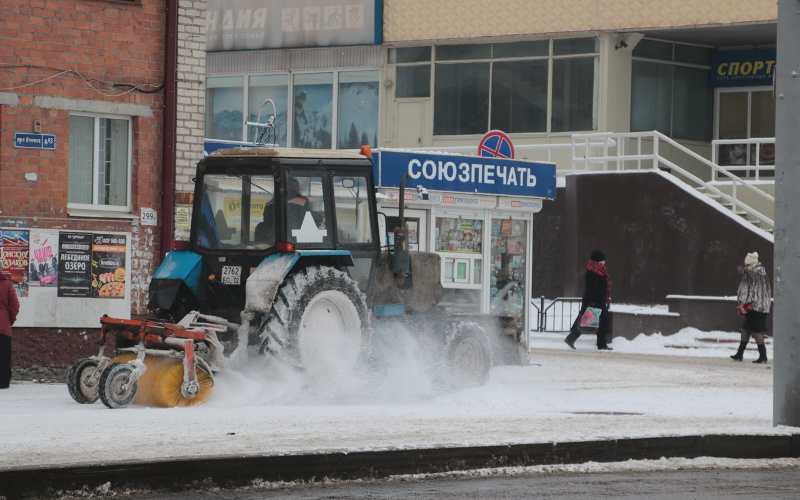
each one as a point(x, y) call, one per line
point(9, 308)
point(754, 300)
point(597, 293)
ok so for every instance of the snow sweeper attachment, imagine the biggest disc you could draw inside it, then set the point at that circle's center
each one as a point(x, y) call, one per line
point(154, 364)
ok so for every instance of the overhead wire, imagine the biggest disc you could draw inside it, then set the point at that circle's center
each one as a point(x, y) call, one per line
point(89, 82)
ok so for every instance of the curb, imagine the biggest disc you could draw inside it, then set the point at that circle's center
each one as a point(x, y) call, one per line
point(233, 471)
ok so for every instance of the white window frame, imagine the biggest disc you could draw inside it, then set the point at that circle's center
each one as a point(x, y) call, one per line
point(95, 206)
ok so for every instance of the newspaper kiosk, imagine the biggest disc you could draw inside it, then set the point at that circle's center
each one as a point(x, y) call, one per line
point(476, 213)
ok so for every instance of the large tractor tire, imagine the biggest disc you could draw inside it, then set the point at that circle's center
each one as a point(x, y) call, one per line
point(319, 322)
point(467, 358)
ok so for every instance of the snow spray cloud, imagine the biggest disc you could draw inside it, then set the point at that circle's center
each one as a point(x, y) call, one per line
point(396, 370)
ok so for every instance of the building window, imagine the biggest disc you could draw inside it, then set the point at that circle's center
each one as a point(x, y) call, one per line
point(671, 90)
point(224, 108)
point(276, 89)
point(505, 86)
point(358, 109)
point(328, 109)
point(462, 99)
point(313, 111)
point(99, 162)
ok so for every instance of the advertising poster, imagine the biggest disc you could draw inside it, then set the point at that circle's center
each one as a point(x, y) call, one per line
point(108, 266)
point(74, 264)
point(43, 258)
point(14, 253)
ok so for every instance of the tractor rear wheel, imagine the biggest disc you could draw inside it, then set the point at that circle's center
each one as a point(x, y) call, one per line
point(82, 382)
point(117, 386)
point(467, 357)
point(319, 322)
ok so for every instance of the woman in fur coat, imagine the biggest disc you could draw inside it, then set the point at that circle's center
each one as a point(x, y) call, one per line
point(754, 298)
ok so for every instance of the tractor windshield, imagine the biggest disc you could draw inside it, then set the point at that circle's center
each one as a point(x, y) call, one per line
point(236, 212)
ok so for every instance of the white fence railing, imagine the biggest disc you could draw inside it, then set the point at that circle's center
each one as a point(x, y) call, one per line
point(641, 150)
point(748, 158)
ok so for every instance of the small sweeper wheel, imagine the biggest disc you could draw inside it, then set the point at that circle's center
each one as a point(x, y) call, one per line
point(117, 386)
point(82, 382)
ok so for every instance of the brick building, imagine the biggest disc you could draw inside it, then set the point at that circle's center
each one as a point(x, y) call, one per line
point(82, 113)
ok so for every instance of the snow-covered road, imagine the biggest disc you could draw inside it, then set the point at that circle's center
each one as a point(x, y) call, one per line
point(643, 388)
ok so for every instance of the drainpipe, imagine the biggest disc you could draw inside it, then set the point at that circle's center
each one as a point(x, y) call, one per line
point(169, 119)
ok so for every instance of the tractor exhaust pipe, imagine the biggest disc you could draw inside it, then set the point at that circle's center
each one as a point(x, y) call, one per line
point(401, 258)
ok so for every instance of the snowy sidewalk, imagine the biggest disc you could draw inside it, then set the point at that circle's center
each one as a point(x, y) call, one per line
point(564, 395)
point(643, 389)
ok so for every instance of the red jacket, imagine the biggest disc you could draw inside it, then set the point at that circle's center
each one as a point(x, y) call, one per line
point(9, 305)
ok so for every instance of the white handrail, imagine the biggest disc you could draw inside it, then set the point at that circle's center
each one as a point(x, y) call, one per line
point(618, 159)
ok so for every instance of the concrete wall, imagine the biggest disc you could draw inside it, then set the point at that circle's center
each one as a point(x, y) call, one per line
point(659, 240)
point(416, 20)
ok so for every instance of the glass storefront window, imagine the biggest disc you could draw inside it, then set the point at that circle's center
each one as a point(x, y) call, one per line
point(508, 261)
point(573, 94)
point(462, 99)
point(519, 96)
point(275, 87)
point(692, 104)
point(358, 109)
point(410, 54)
point(651, 97)
point(313, 111)
point(224, 103)
point(674, 99)
point(413, 81)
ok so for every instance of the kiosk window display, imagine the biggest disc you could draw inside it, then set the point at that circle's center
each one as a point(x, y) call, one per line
point(459, 240)
point(507, 276)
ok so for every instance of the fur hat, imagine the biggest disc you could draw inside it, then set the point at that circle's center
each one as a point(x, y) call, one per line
point(751, 258)
point(598, 256)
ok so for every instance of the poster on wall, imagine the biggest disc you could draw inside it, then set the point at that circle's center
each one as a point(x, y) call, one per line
point(14, 254)
point(75, 264)
point(43, 258)
point(108, 266)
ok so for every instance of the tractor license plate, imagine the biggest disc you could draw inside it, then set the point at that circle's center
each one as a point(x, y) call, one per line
point(231, 275)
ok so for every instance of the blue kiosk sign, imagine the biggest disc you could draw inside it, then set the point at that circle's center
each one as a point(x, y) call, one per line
point(466, 174)
point(34, 141)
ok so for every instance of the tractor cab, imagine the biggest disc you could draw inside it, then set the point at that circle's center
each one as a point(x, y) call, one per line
point(253, 203)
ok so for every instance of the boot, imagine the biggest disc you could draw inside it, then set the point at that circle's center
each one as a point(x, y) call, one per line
point(740, 353)
point(762, 354)
point(571, 338)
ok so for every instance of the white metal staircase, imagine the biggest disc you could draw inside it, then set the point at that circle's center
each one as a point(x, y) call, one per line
point(742, 189)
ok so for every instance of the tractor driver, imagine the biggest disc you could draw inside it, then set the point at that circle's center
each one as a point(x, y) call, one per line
point(297, 204)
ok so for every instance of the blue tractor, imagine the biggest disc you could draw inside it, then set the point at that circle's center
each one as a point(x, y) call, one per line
point(286, 252)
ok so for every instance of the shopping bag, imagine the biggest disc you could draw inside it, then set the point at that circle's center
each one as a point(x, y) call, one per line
point(743, 309)
point(590, 321)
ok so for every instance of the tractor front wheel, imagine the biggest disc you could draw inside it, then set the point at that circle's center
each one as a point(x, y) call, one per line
point(319, 322)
